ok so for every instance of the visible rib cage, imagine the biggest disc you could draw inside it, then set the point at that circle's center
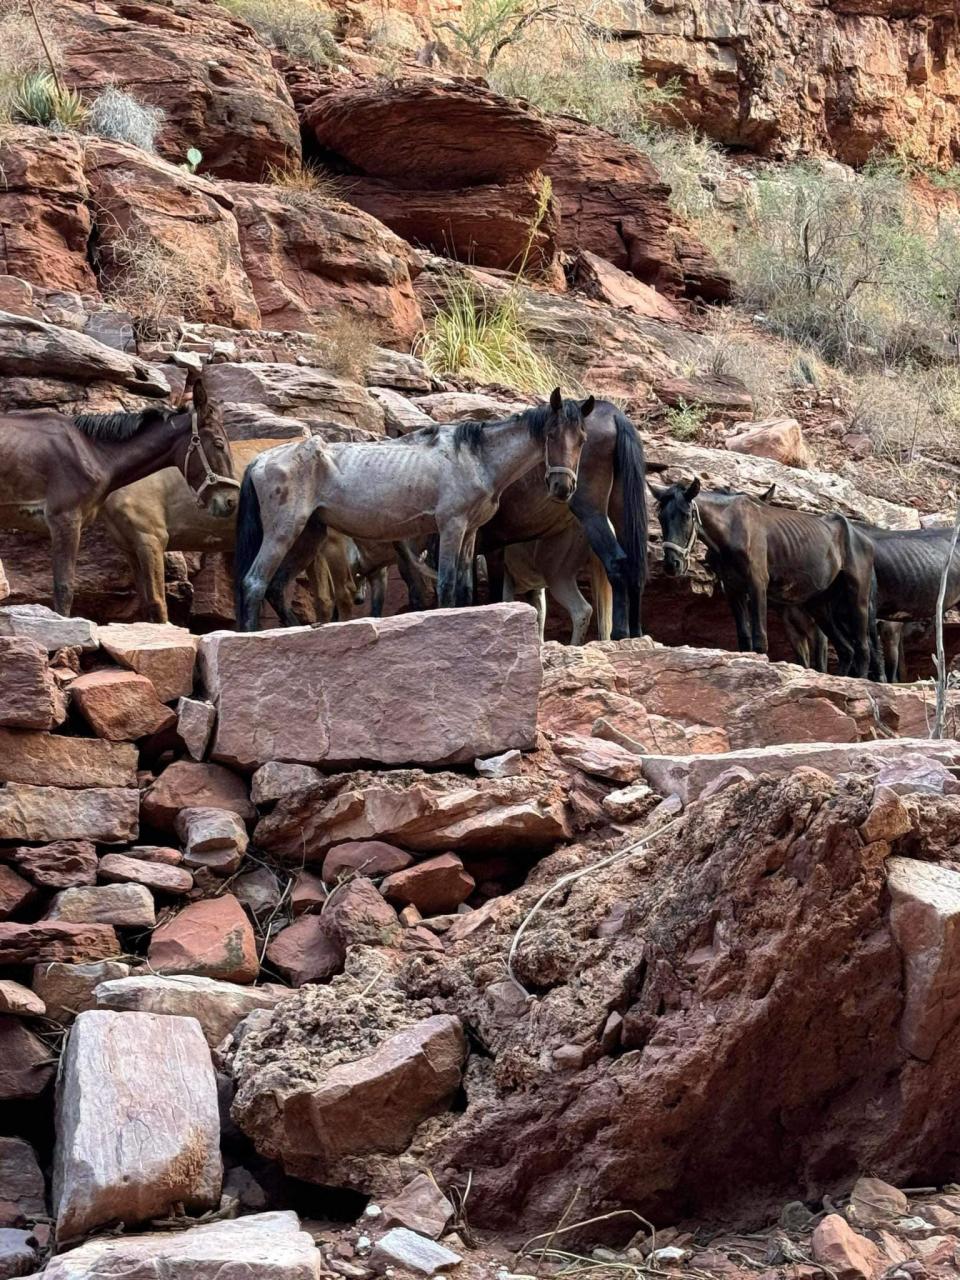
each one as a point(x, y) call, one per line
point(909, 564)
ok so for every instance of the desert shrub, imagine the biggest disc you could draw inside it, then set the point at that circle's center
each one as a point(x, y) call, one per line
point(907, 413)
point(692, 166)
point(685, 421)
point(151, 280)
point(346, 348)
point(39, 100)
point(847, 266)
point(298, 180)
point(118, 115)
point(484, 337)
point(301, 28)
point(21, 53)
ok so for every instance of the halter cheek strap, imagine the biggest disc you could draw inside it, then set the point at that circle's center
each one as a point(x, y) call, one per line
point(550, 470)
point(684, 550)
point(209, 475)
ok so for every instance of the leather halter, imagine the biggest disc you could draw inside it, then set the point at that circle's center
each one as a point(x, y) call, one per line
point(210, 476)
point(556, 471)
point(684, 551)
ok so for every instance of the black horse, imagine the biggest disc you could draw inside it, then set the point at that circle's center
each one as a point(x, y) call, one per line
point(822, 564)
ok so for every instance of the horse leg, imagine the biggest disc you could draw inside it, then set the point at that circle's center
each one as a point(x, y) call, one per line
point(757, 597)
point(602, 598)
point(604, 545)
point(741, 619)
point(302, 557)
point(150, 579)
point(563, 587)
point(378, 592)
point(267, 563)
point(465, 572)
point(409, 567)
point(798, 629)
point(448, 565)
point(65, 544)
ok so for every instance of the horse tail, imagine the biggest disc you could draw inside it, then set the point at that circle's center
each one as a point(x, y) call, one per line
point(631, 468)
point(249, 537)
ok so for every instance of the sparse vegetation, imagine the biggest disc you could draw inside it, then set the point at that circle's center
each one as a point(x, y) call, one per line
point(685, 421)
point(39, 100)
point(301, 28)
point(118, 115)
point(151, 280)
point(347, 347)
point(21, 53)
point(299, 180)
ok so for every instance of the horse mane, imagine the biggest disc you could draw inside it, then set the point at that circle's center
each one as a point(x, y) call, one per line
point(119, 426)
point(471, 433)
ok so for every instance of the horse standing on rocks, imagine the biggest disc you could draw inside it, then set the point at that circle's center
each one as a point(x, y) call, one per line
point(823, 564)
point(56, 471)
point(447, 479)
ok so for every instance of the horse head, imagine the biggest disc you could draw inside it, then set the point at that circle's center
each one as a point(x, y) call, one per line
point(564, 435)
point(208, 463)
point(679, 522)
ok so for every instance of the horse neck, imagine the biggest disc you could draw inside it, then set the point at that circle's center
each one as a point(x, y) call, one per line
point(510, 451)
point(161, 444)
point(711, 514)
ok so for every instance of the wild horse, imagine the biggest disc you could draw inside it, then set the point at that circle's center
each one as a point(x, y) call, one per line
point(822, 563)
point(56, 472)
point(610, 508)
point(447, 479)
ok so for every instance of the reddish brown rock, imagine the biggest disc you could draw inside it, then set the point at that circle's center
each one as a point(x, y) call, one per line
point(190, 785)
point(849, 1256)
point(791, 715)
point(599, 279)
point(211, 938)
point(108, 815)
point(195, 720)
point(430, 132)
point(120, 705)
point(164, 854)
point(62, 865)
point(163, 653)
point(301, 396)
point(364, 857)
point(20, 1002)
point(924, 917)
point(873, 1201)
point(44, 213)
point(26, 1062)
point(21, 1179)
point(310, 259)
point(781, 439)
point(306, 951)
point(308, 895)
point(55, 940)
point(49, 760)
point(356, 913)
point(489, 226)
point(15, 892)
point(118, 868)
point(484, 677)
point(217, 1006)
point(211, 75)
point(29, 697)
point(599, 758)
point(125, 906)
point(433, 887)
point(68, 989)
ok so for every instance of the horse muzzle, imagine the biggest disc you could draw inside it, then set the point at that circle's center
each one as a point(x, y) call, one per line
point(561, 483)
point(220, 505)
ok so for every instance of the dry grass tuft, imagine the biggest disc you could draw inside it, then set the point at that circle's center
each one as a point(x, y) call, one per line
point(347, 347)
point(151, 280)
point(301, 183)
point(302, 28)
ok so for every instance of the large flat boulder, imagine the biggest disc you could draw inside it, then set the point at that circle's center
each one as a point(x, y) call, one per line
point(310, 259)
point(138, 1128)
point(262, 1246)
point(428, 812)
point(217, 1006)
point(309, 395)
point(109, 815)
point(429, 688)
point(33, 348)
point(49, 760)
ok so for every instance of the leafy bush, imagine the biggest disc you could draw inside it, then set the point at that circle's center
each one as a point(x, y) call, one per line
point(685, 421)
point(118, 115)
point(301, 28)
point(39, 100)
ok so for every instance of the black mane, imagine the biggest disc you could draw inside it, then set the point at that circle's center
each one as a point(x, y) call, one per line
point(469, 433)
point(472, 433)
point(119, 426)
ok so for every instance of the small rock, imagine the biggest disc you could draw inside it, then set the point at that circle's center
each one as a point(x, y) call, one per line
point(195, 720)
point(274, 780)
point(19, 1255)
point(306, 951)
point(412, 1252)
point(628, 802)
point(874, 1201)
point(309, 894)
point(155, 853)
point(888, 819)
point(850, 1255)
point(68, 989)
point(211, 938)
point(19, 1001)
point(50, 630)
point(120, 705)
point(421, 1206)
point(125, 906)
point(599, 758)
point(159, 877)
point(15, 892)
point(506, 765)
point(258, 891)
point(364, 857)
point(165, 654)
point(215, 839)
point(29, 696)
point(435, 886)
point(65, 864)
point(21, 1182)
point(26, 1062)
point(187, 784)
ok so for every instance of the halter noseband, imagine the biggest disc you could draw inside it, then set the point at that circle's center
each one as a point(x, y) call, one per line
point(682, 551)
point(210, 476)
point(556, 471)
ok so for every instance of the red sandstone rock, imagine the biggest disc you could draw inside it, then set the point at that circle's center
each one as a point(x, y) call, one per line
point(367, 857)
point(924, 916)
point(308, 895)
point(108, 815)
point(849, 1255)
point(68, 989)
point(306, 951)
point(125, 906)
point(195, 720)
point(120, 705)
point(190, 785)
point(61, 865)
point(599, 758)
point(433, 887)
point(21, 1179)
point(217, 1006)
point(53, 940)
point(781, 439)
point(211, 75)
point(309, 259)
point(29, 697)
point(431, 132)
point(356, 913)
point(49, 760)
point(25, 1062)
point(281, 393)
point(211, 938)
point(18, 1001)
point(15, 892)
point(213, 838)
point(163, 653)
point(372, 699)
point(119, 868)
point(599, 279)
point(421, 1206)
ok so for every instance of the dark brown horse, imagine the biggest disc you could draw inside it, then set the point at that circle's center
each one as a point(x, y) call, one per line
point(55, 471)
point(822, 564)
point(610, 505)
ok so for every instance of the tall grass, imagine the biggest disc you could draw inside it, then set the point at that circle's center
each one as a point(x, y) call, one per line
point(301, 28)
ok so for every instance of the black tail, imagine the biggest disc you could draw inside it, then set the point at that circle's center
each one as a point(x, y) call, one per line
point(249, 537)
point(631, 468)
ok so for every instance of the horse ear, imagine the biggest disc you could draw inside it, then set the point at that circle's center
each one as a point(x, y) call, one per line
point(556, 400)
point(692, 490)
point(767, 495)
point(588, 406)
point(658, 491)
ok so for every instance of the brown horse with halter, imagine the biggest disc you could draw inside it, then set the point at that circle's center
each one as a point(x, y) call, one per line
point(56, 471)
